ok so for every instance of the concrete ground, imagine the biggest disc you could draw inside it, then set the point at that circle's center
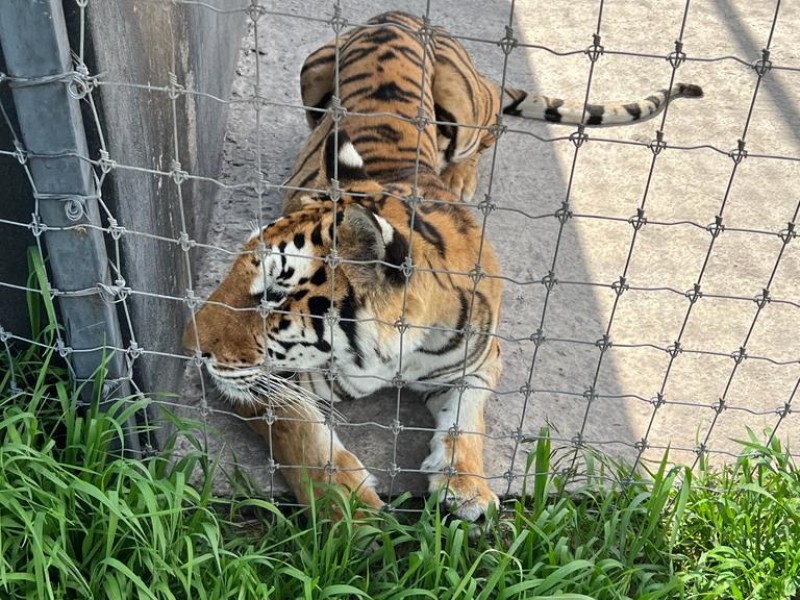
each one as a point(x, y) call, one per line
point(530, 181)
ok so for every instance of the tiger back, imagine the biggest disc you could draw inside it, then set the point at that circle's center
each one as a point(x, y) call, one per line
point(467, 105)
point(385, 85)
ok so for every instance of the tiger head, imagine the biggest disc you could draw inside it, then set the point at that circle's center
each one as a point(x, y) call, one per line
point(288, 294)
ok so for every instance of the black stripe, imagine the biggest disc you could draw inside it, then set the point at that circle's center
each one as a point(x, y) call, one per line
point(391, 92)
point(655, 100)
point(412, 55)
point(311, 153)
point(319, 277)
point(457, 337)
point(356, 77)
point(353, 55)
point(396, 252)
point(458, 51)
point(595, 112)
point(321, 60)
point(428, 232)
point(634, 110)
point(382, 35)
point(341, 170)
point(347, 323)
point(316, 235)
point(346, 98)
point(513, 108)
point(318, 306)
point(282, 255)
point(388, 132)
point(287, 273)
point(551, 113)
point(448, 131)
point(341, 393)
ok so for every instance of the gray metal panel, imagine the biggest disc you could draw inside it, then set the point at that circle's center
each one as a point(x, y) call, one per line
point(35, 45)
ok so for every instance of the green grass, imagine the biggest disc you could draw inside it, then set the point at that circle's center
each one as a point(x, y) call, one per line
point(77, 520)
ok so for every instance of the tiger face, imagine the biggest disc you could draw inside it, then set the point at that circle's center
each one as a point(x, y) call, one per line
point(288, 295)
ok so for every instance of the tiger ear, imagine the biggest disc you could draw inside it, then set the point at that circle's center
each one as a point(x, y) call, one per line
point(361, 235)
point(370, 242)
point(341, 160)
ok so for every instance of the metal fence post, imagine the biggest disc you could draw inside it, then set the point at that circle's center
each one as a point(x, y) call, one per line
point(46, 92)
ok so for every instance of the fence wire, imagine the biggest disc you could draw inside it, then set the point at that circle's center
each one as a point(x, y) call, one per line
point(85, 84)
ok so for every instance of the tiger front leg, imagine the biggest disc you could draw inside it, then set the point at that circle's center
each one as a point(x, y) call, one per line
point(462, 177)
point(301, 445)
point(455, 463)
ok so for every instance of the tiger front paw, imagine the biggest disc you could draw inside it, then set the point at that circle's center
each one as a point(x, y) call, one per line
point(467, 496)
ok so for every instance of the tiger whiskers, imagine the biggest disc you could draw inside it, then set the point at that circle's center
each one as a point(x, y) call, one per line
point(286, 395)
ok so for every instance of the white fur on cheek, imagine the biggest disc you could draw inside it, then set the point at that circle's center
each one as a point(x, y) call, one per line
point(257, 287)
point(387, 231)
point(348, 155)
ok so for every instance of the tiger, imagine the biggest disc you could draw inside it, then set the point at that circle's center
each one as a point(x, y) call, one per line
point(376, 275)
point(410, 298)
point(356, 288)
point(466, 103)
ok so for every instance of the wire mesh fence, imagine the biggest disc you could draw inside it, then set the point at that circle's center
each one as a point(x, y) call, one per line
point(651, 279)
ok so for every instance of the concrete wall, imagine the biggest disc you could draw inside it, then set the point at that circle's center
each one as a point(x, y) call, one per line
point(142, 43)
point(129, 44)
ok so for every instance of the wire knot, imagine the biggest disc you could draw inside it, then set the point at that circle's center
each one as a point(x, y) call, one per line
point(549, 281)
point(178, 175)
point(255, 11)
point(678, 56)
point(185, 242)
point(763, 65)
point(639, 220)
point(658, 144)
point(788, 234)
point(426, 33)
point(717, 227)
point(694, 294)
point(578, 137)
point(509, 42)
point(105, 163)
point(134, 351)
point(739, 154)
point(20, 153)
point(763, 298)
point(564, 213)
point(337, 22)
point(174, 89)
point(595, 51)
point(336, 110)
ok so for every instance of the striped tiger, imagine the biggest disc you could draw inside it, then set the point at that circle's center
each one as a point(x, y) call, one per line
point(466, 103)
point(376, 275)
point(401, 304)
